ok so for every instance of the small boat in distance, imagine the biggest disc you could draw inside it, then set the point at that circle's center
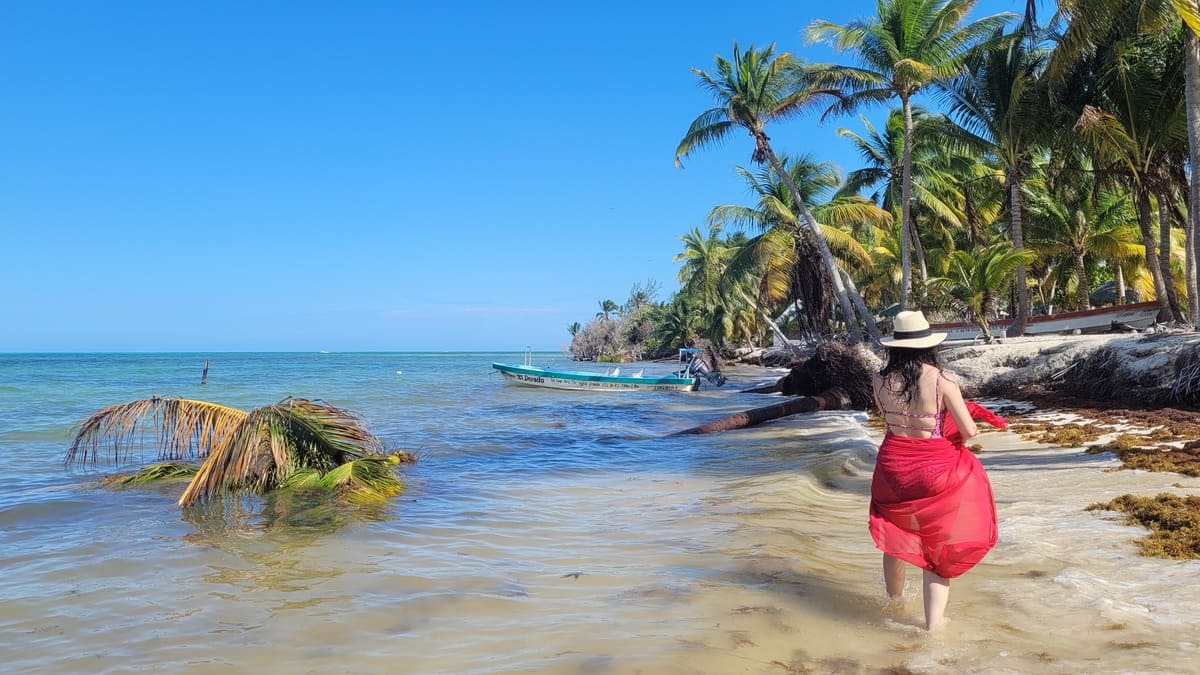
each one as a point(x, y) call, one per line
point(687, 378)
point(1104, 319)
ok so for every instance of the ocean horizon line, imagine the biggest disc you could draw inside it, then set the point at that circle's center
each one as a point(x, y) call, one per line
point(280, 351)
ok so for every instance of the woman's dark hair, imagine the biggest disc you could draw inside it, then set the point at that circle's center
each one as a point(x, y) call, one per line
point(908, 364)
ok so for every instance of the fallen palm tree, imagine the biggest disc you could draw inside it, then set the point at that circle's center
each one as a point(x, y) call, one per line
point(835, 377)
point(293, 444)
point(832, 399)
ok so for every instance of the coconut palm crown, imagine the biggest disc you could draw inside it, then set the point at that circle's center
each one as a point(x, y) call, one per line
point(753, 89)
point(258, 450)
point(908, 46)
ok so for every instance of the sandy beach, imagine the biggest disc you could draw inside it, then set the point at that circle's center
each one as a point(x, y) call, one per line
point(1067, 588)
point(1068, 578)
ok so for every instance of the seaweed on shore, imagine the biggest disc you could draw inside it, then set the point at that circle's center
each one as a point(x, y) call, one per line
point(1058, 435)
point(1185, 460)
point(1174, 523)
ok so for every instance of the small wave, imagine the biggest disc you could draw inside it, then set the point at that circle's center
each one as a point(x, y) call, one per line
point(44, 511)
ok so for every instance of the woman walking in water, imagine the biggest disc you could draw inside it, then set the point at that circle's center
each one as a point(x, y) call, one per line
point(931, 502)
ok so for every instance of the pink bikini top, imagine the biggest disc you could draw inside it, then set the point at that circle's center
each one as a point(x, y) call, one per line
point(939, 417)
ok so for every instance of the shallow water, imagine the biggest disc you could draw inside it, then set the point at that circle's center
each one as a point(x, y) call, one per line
point(546, 531)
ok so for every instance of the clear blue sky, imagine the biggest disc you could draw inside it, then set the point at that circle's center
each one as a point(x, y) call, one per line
point(281, 176)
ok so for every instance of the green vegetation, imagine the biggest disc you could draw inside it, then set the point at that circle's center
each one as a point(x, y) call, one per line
point(294, 446)
point(1022, 167)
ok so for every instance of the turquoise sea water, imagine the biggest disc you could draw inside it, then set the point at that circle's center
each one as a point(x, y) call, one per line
point(511, 481)
point(540, 531)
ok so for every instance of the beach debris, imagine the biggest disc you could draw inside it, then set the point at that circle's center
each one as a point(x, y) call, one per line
point(1147, 370)
point(1174, 523)
point(835, 377)
point(296, 444)
point(832, 399)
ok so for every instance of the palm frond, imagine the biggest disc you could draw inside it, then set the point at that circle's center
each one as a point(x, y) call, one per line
point(709, 129)
point(179, 429)
point(153, 473)
point(275, 441)
point(370, 480)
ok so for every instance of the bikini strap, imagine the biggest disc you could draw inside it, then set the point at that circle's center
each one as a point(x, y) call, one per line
point(937, 393)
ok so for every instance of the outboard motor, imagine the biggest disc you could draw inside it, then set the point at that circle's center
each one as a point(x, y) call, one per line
point(701, 368)
point(694, 365)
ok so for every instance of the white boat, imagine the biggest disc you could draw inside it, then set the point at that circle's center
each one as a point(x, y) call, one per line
point(687, 378)
point(1140, 315)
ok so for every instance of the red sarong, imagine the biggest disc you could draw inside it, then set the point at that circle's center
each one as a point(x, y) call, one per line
point(932, 505)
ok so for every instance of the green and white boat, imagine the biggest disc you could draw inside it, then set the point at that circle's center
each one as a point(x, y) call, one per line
point(687, 378)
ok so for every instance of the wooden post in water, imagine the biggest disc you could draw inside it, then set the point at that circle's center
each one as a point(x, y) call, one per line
point(204, 374)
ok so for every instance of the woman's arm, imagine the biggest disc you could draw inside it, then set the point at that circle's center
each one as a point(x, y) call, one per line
point(952, 397)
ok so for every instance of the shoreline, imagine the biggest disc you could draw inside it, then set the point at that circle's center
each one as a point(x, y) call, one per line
point(1133, 399)
point(1109, 397)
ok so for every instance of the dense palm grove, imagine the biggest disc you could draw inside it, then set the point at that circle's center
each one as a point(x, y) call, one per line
point(1024, 168)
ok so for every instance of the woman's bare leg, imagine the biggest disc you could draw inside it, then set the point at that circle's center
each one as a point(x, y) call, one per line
point(936, 591)
point(893, 576)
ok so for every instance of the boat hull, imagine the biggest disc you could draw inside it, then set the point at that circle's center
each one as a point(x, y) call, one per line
point(1140, 315)
point(532, 376)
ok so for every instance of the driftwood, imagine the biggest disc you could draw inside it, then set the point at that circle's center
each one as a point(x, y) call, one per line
point(835, 377)
point(835, 398)
point(773, 388)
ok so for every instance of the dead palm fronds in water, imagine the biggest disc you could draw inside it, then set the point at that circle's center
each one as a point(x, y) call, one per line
point(258, 450)
point(182, 429)
point(153, 474)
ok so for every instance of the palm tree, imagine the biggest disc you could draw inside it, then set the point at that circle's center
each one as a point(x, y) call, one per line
point(294, 443)
point(1137, 130)
point(608, 308)
point(641, 296)
point(939, 190)
point(780, 262)
point(573, 328)
point(705, 260)
point(974, 277)
point(1001, 112)
point(754, 89)
point(1068, 220)
point(908, 46)
point(1091, 22)
point(677, 325)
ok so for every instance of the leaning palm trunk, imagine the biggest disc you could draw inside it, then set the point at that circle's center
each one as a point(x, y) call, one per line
point(1191, 54)
point(854, 334)
point(835, 398)
point(1085, 300)
point(863, 310)
point(1164, 253)
point(1160, 289)
point(775, 330)
point(906, 206)
point(1017, 329)
point(1118, 283)
point(981, 323)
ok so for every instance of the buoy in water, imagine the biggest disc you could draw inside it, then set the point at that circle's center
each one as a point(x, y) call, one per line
point(399, 372)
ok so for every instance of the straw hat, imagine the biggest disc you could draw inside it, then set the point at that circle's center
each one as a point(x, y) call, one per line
point(912, 332)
